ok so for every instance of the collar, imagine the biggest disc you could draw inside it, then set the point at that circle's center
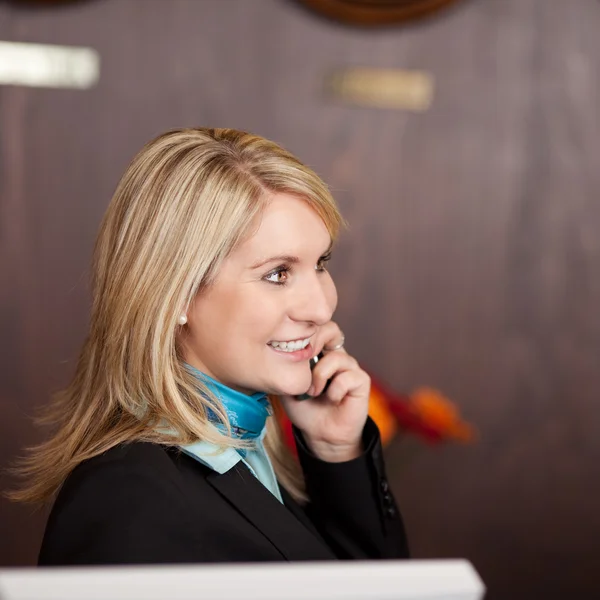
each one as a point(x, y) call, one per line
point(218, 459)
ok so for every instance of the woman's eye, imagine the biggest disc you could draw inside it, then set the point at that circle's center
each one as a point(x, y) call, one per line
point(322, 264)
point(279, 276)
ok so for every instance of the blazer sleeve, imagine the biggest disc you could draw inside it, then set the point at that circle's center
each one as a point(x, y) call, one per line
point(351, 503)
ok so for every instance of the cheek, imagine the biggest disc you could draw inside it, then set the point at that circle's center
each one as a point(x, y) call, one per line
point(248, 314)
point(261, 316)
point(213, 315)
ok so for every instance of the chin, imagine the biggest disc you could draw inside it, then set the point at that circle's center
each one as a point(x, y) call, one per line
point(291, 388)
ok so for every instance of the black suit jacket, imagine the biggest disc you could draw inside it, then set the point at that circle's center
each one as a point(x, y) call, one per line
point(146, 503)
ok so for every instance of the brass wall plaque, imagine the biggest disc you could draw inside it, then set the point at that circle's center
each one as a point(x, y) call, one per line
point(47, 65)
point(382, 88)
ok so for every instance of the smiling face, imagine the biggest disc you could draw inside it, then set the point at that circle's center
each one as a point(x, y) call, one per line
point(252, 328)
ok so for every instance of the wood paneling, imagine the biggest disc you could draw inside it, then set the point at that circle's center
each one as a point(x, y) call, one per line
point(472, 263)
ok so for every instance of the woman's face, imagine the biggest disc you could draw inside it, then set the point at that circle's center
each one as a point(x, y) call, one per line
point(249, 330)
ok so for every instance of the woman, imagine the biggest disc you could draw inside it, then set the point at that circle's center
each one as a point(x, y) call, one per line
point(210, 295)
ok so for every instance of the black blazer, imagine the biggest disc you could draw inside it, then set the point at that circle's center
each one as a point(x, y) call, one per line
point(147, 503)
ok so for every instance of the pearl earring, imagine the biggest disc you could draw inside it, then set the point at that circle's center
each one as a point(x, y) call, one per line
point(182, 320)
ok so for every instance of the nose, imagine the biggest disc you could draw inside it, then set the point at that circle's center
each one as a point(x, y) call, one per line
point(315, 301)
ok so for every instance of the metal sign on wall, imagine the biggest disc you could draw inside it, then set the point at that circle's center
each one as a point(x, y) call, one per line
point(382, 88)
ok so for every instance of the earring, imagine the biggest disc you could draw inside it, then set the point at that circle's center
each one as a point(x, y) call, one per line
point(182, 320)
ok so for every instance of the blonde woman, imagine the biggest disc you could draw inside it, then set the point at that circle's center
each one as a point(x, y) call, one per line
point(210, 295)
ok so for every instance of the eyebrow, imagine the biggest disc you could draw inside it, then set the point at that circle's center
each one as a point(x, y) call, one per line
point(280, 258)
point(284, 258)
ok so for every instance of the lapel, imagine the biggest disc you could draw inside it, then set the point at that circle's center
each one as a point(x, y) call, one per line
point(298, 511)
point(284, 528)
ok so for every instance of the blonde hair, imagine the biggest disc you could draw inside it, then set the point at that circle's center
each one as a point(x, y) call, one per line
point(184, 203)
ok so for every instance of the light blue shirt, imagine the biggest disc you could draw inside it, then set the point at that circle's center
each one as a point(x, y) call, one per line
point(247, 416)
point(257, 461)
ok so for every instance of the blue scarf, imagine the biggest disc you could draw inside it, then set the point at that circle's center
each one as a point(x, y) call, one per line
point(247, 414)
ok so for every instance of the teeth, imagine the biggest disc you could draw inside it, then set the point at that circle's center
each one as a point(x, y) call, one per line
point(292, 346)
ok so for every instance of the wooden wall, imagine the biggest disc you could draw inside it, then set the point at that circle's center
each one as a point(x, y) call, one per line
point(472, 264)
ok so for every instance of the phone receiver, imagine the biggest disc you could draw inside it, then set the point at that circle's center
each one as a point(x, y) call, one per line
point(313, 361)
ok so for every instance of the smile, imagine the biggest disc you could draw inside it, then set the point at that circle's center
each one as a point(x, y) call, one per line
point(291, 346)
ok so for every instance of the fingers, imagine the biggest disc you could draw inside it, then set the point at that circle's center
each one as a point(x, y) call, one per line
point(329, 337)
point(349, 383)
point(327, 367)
point(346, 374)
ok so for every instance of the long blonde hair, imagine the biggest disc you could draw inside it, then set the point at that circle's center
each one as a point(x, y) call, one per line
point(184, 203)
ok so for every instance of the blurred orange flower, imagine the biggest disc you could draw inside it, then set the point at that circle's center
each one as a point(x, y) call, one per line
point(426, 413)
point(441, 415)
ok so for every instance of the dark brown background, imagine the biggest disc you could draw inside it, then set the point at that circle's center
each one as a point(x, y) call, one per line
point(472, 264)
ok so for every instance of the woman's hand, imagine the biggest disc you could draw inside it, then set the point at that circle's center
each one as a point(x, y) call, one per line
point(332, 422)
